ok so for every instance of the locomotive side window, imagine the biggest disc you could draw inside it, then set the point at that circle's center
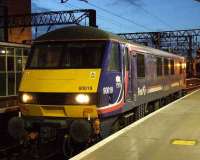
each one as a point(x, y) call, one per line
point(140, 65)
point(166, 66)
point(159, 66)
point(114, 61)
point(126, 59)
point(172, 66)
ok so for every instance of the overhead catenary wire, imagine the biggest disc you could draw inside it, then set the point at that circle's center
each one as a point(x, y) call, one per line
point(115, 23)
point(121, 17)
point(112, 21)
point(132, 21)
point(155, 16)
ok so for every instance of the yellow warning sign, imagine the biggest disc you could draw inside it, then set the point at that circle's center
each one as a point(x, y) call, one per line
point(184, 142)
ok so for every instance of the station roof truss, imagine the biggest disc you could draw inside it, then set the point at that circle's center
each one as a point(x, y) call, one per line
point(183, 42)
point(84, 16)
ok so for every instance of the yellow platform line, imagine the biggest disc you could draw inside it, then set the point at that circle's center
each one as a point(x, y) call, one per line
point(184, 142)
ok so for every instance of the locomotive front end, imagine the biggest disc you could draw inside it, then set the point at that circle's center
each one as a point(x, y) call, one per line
point(60, 93)
point(59, 88)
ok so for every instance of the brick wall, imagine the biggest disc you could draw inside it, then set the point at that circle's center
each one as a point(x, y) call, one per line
point(19, 7)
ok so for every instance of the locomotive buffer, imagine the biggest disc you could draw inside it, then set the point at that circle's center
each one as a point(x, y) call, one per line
point(169, 133)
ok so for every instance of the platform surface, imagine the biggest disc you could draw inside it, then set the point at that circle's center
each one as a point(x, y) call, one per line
point(171, 133)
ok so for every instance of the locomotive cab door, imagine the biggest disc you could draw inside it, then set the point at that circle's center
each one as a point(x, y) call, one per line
point(130, 70)
point(126, 73)
point(133, 76)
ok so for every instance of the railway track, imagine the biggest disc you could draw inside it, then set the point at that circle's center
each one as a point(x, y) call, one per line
point(18, 152)
point(9, 152)
point(192, 84)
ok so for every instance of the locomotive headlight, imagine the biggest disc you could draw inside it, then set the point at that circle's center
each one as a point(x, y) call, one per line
point(82, 99)
point(27, 98)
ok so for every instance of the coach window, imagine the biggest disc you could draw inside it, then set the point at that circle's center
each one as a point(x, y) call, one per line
point(172, 66)
point(166, 66)
point(11, 55)
point(18, 51)
point(2, 59)
point(159, 66)
point(11, 83)
point(2, 71)
point(26, 52)
point(10, 59)
point(2, 84)
point(2, 63)
point(140, 65)
point(114, 61)
point(180, 68)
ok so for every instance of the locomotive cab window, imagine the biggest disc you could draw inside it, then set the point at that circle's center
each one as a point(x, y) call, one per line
point(166, 66)
point(140, 65)
point(159, 66)
point(69, 55)
point(114, 60)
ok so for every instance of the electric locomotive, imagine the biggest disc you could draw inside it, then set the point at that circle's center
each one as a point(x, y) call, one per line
point(91, 83)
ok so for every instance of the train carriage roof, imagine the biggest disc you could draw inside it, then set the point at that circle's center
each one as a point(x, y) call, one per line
point(75, 33)
point(11, 44)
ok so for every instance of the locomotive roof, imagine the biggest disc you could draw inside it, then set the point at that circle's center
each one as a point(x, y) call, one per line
point(78, 33)
point(73, 33)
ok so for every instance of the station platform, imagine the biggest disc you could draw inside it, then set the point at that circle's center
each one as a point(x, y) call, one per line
point(170, 133)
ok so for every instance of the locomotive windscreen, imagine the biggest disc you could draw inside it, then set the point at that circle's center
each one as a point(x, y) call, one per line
point(66, 55)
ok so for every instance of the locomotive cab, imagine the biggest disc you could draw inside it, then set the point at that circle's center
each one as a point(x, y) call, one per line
point(72, 80)
point(61, 80)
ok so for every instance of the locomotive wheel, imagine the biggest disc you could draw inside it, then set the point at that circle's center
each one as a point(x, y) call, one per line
point(162, 102)
point(118, 124)
point(68, 148)
point(71, 148)
point(139, 112)
point(156, 105)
